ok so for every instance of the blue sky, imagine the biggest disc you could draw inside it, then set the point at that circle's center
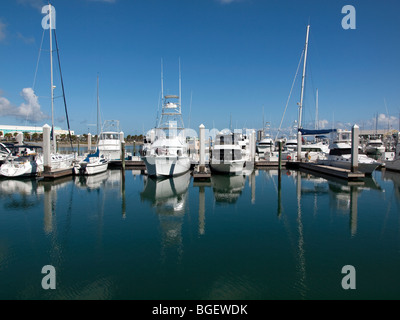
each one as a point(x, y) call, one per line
point(238, 58)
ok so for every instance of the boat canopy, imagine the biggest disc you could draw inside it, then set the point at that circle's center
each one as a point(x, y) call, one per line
point(308, 132)
point(92, 155)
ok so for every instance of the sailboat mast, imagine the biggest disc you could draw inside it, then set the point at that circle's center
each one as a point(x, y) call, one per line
point(180, 87)
point(316, 113)
point(51, 80)
point(98, 131)
point(303, 79)
point(162, 85)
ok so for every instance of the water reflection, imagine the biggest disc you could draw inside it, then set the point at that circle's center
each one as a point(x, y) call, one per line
point(18, 193)
point(388, 175)
point(169, 198)
point(227, 188)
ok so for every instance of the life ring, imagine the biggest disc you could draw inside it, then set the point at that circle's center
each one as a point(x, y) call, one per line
point(288, 157)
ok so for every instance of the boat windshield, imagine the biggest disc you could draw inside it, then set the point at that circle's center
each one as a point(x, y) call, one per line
point(227, 154)
point(109, 136)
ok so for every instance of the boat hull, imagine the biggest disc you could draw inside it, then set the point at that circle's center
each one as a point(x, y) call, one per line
point(90, 168)
point(166, 166)
point(366, 168)
point(230, 167)
point(393, 165)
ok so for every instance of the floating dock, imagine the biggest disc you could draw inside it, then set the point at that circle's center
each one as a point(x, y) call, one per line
point(265, 163)
point(203, 173)
point(56, 173)
point(327, 170)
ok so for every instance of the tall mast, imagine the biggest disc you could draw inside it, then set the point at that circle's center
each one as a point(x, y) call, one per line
point(162, 84)
point(316, 113)
point(303, 79)
point(180, 86)
point(52, 86)
point(98, 131)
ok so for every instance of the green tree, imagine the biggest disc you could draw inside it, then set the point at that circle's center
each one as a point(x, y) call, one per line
point(27, 136)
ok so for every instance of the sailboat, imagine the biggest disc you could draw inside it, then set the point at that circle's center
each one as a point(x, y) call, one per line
point(309, 151)
point(93, 163)
point(167, 154)
point(30, 162)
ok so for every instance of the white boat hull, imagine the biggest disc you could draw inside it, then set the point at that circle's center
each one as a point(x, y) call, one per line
point(345, 163)
point(25, 169)
point(166, 166)
point(393, 165)
point(231, 167)
point(90, 168)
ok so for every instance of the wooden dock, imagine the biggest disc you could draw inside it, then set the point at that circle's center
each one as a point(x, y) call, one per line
point(327, 170)
point(201, 174)
point(265, 163)
point(56, 173)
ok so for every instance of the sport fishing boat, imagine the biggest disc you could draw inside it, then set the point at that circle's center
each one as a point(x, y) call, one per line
point(167, 153)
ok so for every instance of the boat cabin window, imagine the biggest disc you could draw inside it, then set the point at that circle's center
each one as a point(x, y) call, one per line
point(339, 152)
point(109, 136)
point(227, 154)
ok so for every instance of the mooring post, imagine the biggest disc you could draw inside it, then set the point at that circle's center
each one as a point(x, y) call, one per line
point(202, 151)
point(46, 148)
point(123, 155)
point(280, 156)
point(354, 148)
point(299, 144)
point(89, 142)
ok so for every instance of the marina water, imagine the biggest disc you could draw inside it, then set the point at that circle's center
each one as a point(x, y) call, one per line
point(256, 236)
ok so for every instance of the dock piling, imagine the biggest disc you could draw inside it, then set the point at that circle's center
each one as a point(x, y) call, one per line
point(89, 142)
point(46, 148)
point(354, 148)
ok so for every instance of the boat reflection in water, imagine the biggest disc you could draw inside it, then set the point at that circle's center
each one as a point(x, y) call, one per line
point(343, 194)
point(169, 198)
point(227, 188)
point(23, 187)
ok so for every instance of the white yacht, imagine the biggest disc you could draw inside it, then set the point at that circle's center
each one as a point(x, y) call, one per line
point(166, 154)
point(375, 147)
point(29, 162)
point(93, 163)
point(266, 144)
point(340, 155)
point(5, 151)
point(394, 164)
point(227, 156)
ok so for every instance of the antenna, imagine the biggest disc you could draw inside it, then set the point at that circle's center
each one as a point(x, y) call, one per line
point(180, 86)
point(303, 79)
point(162, 83)
point(316, 113)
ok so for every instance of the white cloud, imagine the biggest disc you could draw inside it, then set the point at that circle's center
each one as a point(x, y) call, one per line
point(228, 1)
point(2, 31)
point(27, 40)
point(322, 124)
point(28, 110)
point(106, 1)
point(37, 4)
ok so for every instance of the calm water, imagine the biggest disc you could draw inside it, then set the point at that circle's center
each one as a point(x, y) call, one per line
point(242, 237)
